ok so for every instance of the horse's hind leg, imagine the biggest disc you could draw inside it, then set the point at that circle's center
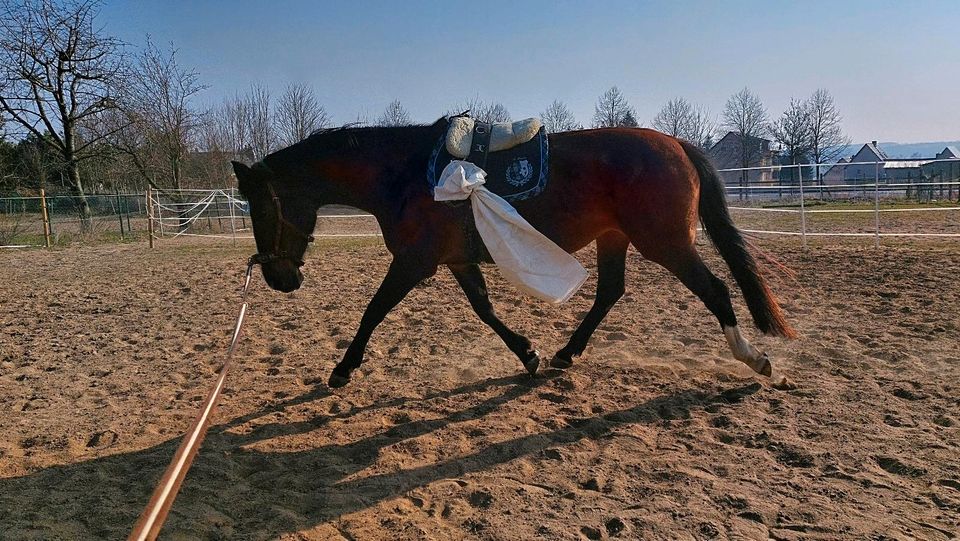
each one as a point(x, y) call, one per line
point(691, 270)
point(471, 280)
point(611, 263)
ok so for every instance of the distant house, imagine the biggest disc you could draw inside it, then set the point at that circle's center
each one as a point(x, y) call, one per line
point(872, 162)
point(836, 173)
point(903, 170)
point(943, 171)
point(865, 163)
point(729, 151)
point(949, 153)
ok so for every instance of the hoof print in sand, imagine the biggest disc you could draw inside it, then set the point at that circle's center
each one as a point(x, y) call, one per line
point(896, 467)
point(480, 499)
point(103, 439)
point(590, 532)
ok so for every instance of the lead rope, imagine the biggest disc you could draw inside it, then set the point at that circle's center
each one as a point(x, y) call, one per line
point(151, 520)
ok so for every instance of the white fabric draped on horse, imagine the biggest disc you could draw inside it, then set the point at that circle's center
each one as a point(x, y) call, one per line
point(528, 259)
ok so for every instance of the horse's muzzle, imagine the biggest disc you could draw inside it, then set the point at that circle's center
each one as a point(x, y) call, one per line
point(284, 281)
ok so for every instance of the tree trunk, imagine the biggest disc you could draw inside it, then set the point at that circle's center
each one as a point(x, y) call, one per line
point(83, 206)
point(177, 173)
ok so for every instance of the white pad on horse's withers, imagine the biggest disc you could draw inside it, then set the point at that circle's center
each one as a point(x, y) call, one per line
point(744, 351)
point(504, 135)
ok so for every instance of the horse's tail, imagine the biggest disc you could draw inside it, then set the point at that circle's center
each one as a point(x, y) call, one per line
point(763, 306)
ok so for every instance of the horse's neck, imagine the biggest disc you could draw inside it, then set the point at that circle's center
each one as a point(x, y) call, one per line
point(375, 184)
point(344, 191)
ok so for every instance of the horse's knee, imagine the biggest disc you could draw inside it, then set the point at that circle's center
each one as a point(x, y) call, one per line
point(616, 294)
point(484, 308)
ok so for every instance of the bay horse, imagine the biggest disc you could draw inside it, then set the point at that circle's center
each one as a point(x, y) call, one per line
point(615, 186)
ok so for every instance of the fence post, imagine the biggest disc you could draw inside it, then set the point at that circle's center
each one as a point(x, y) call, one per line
point(46, 218)
point(219, 215)
point(150, 216)
point(126, 209)
point(119, 212)
point(233, 220)
point(876, 203)
point(803, 214)
point(159, 212)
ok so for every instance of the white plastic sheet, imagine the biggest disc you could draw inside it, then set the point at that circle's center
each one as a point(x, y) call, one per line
point(528, 259)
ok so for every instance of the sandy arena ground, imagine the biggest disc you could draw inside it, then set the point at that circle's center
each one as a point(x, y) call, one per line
point(107, 351)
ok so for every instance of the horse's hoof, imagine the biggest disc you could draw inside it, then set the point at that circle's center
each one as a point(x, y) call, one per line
point(762, 366)
point(336, 381)
point(532, 363)
point(561, 362)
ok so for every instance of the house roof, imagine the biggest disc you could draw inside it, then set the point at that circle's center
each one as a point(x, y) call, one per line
point(905, 164)
point(839, 163)
point(877, 151)
point(951, 150)
point(735, 134)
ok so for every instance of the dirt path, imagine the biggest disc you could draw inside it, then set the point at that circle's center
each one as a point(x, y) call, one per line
point(106, 352)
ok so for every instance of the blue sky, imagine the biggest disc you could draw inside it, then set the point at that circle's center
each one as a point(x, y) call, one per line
point(892, 66)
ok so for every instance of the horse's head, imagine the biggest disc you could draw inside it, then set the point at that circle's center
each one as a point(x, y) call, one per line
point(282, 222)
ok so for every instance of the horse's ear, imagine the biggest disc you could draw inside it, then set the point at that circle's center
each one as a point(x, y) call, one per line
point(244, 176)
point(240, 169)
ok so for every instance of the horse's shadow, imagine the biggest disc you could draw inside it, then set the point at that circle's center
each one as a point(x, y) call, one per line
point(240, 492)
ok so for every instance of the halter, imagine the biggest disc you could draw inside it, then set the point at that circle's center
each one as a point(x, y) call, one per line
point(278, 254)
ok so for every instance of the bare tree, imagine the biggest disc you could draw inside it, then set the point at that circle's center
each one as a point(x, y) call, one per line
point(242, 126)
point(557, 118)
point(674, 117)
point(684, 120)
point(298, 114)
point(394, 115)
point(613, 110)
point(701, 128)
point(827, 140)
point(57, 71)
point(745, 115)
point(231, 126)
point(792, 131)
point(162, 121)
point(482, 111)
point(213, 162)
point(494, 112)
point(262, 136)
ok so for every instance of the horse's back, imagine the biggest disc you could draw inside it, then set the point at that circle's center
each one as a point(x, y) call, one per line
point(601, 179)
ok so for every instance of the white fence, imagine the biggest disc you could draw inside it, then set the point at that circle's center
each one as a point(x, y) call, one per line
point(816, 190)
point(762, 207)
point(224, 214)
point(198, 213)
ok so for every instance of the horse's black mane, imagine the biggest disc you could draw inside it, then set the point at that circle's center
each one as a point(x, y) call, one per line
point(351, 136)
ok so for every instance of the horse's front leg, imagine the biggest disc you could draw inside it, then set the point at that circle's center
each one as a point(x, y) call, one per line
point(402, 276)
point(471, 280)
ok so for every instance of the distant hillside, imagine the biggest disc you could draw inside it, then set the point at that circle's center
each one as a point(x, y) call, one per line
point(906, 150)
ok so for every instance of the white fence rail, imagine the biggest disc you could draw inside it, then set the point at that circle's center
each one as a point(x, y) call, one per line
point(224, 214)
point(921, 188)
